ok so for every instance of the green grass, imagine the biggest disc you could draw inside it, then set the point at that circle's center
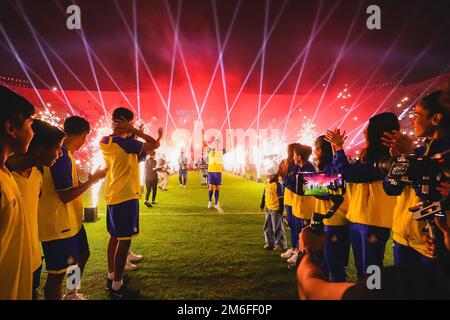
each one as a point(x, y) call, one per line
point(192, 252)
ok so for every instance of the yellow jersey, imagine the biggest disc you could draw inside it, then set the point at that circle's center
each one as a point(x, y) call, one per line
point(288, 197)
point(122, 156)
point(31, 188)
point(16, 271)
point(406, 230)
point(303, 206)
point(370, 205)
point(339, 217)
point(215, 160)
point(272, 193)
point(58, 220)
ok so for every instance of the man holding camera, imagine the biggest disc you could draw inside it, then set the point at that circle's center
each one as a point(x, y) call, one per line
point(400, 282)
point(432, 122)
point(407, 279)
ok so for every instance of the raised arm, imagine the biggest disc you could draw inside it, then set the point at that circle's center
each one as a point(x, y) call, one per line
point(123, 126)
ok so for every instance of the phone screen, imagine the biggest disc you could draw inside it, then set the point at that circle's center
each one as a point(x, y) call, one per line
point(320, 184)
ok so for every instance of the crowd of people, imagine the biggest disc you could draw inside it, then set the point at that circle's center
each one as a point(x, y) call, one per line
point(41, 209)
point(374, 206)
point(41, 204)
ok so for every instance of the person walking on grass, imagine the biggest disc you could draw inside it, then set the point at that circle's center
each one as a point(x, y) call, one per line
point(163, 172)
point(203, 167)
point(182, 170)
point(151, 179)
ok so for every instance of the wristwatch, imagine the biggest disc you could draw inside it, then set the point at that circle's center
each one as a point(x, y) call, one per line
point(315, 253)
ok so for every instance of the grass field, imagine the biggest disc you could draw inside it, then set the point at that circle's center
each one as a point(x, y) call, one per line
point(192, 252)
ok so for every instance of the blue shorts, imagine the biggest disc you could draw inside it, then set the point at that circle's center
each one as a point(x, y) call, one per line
point(215, 178)
point(37, 278)
point(122, 219)
point(62, 253)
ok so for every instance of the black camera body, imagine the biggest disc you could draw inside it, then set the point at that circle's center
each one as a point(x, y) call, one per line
point(425, 172)
point(412, 168)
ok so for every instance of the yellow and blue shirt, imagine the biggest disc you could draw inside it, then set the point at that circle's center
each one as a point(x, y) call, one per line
point(58, 220)
point(215, 160)
point(122, 156)
point(31, 188)
point(339, 218)
point(15, 245)
point(369, 204)
point(273, 195)
point(302, 206)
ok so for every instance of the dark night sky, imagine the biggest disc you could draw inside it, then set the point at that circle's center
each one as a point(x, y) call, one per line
point(415, 24)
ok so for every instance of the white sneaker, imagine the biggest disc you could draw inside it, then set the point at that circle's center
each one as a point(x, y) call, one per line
point(129, 266)
point(209, 204)
point(74, 296)
point(292, 261)
point(287, 254)
point(217, 207)
point(184, 186)
point(132, 257)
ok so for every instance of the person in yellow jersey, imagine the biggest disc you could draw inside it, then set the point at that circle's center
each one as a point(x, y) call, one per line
point(122, 154)
point(272, 202)
point(337, 243)
point(431, 121)
point(215, 165)
point(370, 211)
point(60, 213)
point(286, 171)
point(16, 267)
point(26, 168)
point(302, 206)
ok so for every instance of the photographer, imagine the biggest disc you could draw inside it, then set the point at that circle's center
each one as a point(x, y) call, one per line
point(431, 121)
point(405, 282)
point(337, 244)
point(370, 209)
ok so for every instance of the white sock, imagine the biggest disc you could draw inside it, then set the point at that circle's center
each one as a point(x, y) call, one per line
point(116, 285)
point(111, 275)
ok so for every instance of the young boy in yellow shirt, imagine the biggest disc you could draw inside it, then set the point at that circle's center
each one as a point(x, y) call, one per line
point(16, 267)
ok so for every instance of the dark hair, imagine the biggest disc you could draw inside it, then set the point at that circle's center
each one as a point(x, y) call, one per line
point(287, 163)
point(14, 108)
point(45, 135)
point(378, 124)
point(326, 152)
point(76, 125)
point(303, 151)
point(435, 103)
point(122, 112)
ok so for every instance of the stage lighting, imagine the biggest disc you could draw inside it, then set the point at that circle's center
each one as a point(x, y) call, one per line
point(54, 88)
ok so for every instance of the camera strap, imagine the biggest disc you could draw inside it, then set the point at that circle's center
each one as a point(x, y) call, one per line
point(428, 146)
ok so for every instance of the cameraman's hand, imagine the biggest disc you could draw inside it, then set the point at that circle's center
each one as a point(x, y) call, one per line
point(308, 240)
point(397, 143)
point(444, 188)
point(430, 244)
